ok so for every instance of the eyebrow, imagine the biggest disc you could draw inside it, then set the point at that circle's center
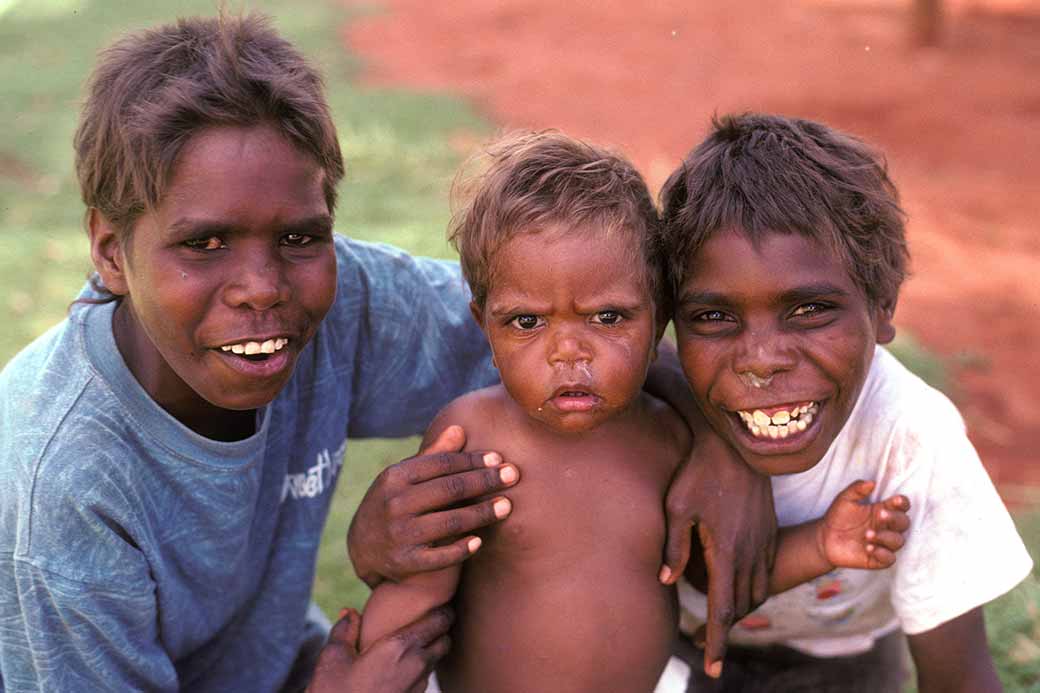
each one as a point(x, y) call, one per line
point(321, 223)
point(793, 295)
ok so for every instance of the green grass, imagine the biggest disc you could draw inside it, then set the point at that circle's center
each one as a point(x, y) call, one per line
point(400, 165)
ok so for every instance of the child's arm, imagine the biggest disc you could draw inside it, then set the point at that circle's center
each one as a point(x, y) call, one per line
point(852, 534)
point(397, 664)
point(954, 657)
point(396, 604)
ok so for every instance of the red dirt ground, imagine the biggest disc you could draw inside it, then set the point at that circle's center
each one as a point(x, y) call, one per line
point(959, 124)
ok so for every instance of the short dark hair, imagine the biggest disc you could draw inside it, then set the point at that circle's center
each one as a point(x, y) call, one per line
point(152, 90)
point(761, 173)
point(528, 181)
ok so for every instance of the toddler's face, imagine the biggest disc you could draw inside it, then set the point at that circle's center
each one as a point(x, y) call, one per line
point(776, 341)
point(571, 325)
point(229, 278)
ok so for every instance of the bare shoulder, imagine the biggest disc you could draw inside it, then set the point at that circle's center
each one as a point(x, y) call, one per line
point(473, 411)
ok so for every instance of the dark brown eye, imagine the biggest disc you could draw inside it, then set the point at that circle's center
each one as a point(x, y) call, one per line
point(607, 317)
point(207, 243)
point(297, 239)
point(526, 322)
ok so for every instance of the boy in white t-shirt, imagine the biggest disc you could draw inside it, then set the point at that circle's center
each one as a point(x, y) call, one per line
point(787, 248)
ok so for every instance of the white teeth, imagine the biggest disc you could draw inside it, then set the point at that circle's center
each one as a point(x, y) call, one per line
point(781, 424)
point(267, 347)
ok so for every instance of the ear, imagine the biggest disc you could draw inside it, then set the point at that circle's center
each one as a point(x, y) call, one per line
point(884, 330)
point(107, 252)
point(477, 313)
point(478, 316)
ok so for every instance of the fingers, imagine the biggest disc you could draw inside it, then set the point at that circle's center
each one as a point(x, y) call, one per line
point(347, 630)
point(680, 518)
point(879, 556)
point(720, 612)
point(676, 551)
point(893, 541)
point(898, 503)
point(451, 439)
point(760, 582)
point(456, 487)
point(422, 468)
point(431, 627)
point(894, 521)
point(742, 591)
point(856, 492)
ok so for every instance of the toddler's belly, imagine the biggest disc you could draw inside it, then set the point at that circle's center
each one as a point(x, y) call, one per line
point(576, 629)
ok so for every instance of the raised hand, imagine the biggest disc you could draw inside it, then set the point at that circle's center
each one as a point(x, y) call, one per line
point(410, 520)
point(858, 534)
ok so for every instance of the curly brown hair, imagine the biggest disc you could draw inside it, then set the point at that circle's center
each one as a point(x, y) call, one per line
point(526, 182)
point(152, 90)
point(762, 173)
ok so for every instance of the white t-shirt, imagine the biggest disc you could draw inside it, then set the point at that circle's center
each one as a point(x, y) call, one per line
point(962, 549)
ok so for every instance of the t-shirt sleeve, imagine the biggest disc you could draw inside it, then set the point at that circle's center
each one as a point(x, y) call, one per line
point(417, 346)
point(963, 550)
point(69, 635)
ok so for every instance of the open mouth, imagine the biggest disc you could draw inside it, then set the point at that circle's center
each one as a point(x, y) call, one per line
point(256, 351)
point(779, 422)
point(571, 399)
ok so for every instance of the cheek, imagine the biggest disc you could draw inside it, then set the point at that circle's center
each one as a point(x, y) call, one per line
point(698, 365)
point(315, 283)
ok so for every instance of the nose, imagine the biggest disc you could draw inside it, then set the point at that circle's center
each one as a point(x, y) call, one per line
point(567, 347)
point(762, 354)
point(258, 283)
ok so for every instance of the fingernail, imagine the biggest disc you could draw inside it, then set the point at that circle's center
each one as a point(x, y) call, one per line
point(492, 459)
point(666, 574)
point(501, 507)
point(343, 612)
point(508, 474)
point(715, 669)
point(883, 514)
point(473, 544)
point(871, 534)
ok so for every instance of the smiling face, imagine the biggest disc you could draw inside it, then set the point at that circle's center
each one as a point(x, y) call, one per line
point(776, 340)
point(228, 279)
point(571, 325)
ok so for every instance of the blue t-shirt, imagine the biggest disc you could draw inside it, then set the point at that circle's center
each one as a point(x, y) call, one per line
point(138, 555)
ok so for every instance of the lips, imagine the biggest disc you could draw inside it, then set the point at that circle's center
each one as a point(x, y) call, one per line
point(260, 357)
point(778, 428)
point(574, 398)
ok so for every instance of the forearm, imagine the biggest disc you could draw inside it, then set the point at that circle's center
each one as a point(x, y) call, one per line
point(394, 605)
point(954, 657)
point(799, 557)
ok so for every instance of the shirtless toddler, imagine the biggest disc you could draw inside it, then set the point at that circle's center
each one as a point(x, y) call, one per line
point(559, 245)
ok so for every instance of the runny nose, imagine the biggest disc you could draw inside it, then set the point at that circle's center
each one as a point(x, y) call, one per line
point(569, 350)
point(761, 359)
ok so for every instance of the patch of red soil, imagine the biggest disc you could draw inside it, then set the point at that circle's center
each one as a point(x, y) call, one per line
point(960, 125)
